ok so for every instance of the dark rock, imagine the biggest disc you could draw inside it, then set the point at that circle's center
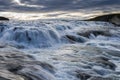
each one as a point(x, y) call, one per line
point(4, 18)
point(14, 68)
point(73, 38)
point(112, 18)
point(31, 57)
point(83, 75)
point(48, 67)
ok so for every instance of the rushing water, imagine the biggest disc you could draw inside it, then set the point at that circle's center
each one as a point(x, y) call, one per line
point(78, 50)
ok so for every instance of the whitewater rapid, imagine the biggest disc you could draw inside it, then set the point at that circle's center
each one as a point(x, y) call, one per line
point(78, 50)
point(48, 33)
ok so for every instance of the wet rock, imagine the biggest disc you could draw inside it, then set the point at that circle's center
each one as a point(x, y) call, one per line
point(82, 75)
point(14, 68)
point(73, 38)
point(4, 18)
point(94, 32)
point(48, 67)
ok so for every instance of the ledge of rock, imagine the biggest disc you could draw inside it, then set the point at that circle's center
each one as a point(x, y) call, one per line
point(112, 18)
point(3, 18)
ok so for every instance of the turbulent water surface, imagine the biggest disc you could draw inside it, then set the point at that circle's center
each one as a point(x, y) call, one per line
point(78, 50)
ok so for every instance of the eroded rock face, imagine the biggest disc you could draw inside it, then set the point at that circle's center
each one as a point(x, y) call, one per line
point(14, 65)
point(83, 75)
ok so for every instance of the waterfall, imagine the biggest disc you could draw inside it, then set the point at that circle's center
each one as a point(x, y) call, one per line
point(48, 33)
point(66, 49)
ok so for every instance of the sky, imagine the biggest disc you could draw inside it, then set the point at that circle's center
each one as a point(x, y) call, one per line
point(32, 9)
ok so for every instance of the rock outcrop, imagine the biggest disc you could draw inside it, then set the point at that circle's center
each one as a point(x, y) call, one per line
point(112, 18)
point(3, 18)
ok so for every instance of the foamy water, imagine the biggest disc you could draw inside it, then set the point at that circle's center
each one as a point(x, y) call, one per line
point(62, 44)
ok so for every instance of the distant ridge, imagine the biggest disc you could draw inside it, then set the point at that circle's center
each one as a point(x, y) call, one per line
point(3, 18)
point(112, 18)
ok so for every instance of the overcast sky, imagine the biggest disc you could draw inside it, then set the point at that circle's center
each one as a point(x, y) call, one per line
point(59, 5)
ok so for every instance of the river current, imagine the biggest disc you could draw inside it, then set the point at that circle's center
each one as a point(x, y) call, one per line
point(78, 50)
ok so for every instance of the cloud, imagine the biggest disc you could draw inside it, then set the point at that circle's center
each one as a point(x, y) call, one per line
point(58, 8)
point(54, 5)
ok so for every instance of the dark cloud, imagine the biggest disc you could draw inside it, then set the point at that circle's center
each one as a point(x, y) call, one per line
point(5, 3)
point(56, 5)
